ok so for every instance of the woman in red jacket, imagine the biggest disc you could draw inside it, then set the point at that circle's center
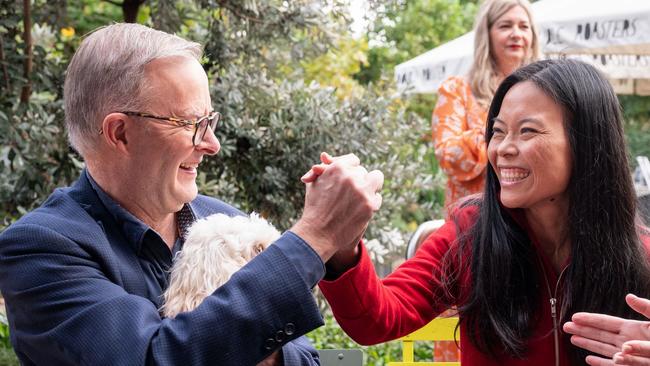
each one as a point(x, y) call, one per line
point(553, 233)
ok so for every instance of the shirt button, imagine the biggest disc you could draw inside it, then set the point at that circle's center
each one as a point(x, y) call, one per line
point(289, 329)
point(279, 336)
point(270, 344)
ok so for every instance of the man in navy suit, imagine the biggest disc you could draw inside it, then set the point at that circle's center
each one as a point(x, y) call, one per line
point(83, 274)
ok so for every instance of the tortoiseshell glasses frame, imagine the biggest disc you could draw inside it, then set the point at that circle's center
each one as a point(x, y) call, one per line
point(200, 124)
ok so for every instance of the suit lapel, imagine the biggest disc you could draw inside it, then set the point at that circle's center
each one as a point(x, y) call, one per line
point(121, 255)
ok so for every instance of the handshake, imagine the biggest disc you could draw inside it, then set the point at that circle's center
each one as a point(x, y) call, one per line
point(340, 200)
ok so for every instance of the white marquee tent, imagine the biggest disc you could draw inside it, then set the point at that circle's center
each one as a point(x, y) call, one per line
point(613, 35)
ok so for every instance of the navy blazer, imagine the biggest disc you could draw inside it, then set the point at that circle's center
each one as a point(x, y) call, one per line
point(74, 298)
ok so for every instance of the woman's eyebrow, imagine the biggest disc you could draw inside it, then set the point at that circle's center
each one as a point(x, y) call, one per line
point(530, 120)
point(521, 121)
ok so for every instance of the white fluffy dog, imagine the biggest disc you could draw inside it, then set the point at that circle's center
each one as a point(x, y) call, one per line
point(215, 248)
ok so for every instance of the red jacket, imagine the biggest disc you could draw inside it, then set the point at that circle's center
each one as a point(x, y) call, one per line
point(372, 310)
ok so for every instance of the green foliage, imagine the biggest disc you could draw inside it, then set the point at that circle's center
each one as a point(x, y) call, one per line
point(274, 131)
point(271, 36)
point(34, 156)
point(4, 331)
point(405, 29)
point(331, 336)
point(635, 107)
point(337, 67)
point(637, 134)
point(636, 112)
point(7, 355)
point(277, 120)
point(87, 15)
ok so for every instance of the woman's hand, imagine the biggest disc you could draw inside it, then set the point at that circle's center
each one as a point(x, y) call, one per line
point(318, 169)
point(634, 353)
point(343, 259)
point(622, 341)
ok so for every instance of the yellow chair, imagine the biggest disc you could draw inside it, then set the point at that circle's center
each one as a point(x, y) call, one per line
point(439, 329)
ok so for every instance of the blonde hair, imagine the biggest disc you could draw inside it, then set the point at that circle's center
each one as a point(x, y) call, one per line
point(483, 75)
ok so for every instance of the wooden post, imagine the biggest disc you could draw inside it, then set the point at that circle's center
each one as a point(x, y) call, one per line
point(130, 10)
point(5, 73)
point(27, 65)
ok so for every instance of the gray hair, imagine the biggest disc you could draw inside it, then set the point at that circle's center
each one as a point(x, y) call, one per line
point(107, 74)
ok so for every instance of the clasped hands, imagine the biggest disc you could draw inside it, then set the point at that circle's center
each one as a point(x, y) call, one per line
point(621, 341)
point(341, 198)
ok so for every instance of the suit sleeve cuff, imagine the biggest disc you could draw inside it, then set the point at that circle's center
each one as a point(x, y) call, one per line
point(303, 257)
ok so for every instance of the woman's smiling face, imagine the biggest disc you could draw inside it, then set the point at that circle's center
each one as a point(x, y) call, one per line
point(529, 149)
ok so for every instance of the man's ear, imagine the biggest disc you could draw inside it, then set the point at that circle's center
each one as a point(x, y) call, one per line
point(114, 131)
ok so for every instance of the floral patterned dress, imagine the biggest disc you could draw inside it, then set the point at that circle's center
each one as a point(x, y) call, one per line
point(458, 128)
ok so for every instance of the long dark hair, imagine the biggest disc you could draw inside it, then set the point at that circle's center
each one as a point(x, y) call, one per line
point(607, 258)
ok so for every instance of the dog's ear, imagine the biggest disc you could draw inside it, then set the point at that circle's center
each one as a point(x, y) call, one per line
point(258, 248)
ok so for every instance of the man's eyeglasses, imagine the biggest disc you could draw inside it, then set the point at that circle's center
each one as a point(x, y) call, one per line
point(200, 125)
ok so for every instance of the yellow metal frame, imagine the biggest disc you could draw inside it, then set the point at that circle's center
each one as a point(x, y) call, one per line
point(439, 329)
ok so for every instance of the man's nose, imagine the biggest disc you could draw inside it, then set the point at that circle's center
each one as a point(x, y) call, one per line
point(210, 143)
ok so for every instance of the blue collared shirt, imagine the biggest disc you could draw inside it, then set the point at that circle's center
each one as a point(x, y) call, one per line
point(153, 253)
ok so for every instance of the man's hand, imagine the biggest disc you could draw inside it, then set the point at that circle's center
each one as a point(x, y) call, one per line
point(340, 201)
point(622, 341)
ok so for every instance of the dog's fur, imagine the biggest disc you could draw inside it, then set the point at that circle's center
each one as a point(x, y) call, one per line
point(215, 248)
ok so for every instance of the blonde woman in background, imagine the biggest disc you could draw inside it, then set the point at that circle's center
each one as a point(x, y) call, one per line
point(505, 39)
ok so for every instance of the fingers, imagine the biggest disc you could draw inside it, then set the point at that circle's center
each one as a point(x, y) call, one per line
point(637, 348)
point(313, 173)
point(341, 198)
point(348, 159)
point(638, 304)
point(601, 348)
point(377, 201)
point(631, 360)
point(326, 159)
point(376, 181)
point(591, 338)
point(309, 177)
point(613, 337)
point(599, 361)
point(634, 353)
point(598, 321)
